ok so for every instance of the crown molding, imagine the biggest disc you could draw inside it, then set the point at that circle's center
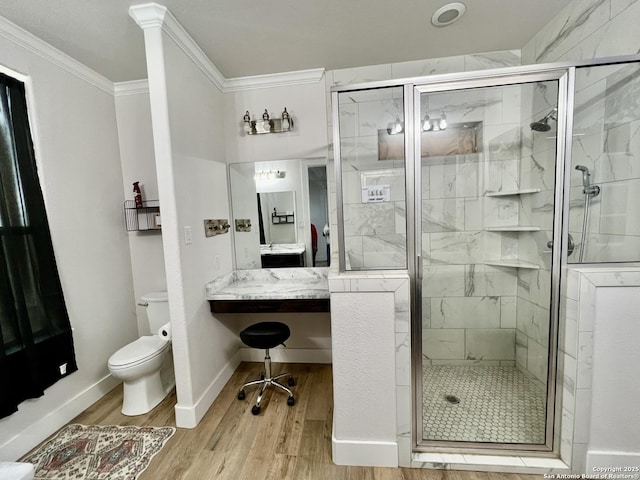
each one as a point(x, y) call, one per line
point(133, 87)
point(152, 15)
point(299, 77)
point(33, 44)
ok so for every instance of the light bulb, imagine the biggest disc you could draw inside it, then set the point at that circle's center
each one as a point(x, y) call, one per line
point(398, 127)
point(426, 124)
point(247, 122)
point(443, 121)
point(266, 124)
point(286, 124)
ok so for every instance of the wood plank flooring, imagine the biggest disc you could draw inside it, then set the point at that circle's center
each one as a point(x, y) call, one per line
point(282, 443)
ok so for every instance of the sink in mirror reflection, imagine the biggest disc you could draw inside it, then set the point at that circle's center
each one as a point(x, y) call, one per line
point(286, 204)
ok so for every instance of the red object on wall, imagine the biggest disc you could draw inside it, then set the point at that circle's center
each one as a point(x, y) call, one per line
point(137, 194)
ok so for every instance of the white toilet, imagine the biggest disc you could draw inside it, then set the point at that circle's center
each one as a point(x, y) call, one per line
point(139, 363)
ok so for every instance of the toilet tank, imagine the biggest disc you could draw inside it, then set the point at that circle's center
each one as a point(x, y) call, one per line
point(157, 310)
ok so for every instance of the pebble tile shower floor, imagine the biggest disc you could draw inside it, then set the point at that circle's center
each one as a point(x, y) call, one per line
point(497, 404)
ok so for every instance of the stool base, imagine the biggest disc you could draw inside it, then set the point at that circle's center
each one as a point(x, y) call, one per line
point(265, 382)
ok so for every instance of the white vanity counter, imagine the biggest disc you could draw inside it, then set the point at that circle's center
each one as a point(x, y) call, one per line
point(282, 249)
point(271, 284)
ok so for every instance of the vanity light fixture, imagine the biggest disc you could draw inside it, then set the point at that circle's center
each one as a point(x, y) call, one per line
point(429, 125)
point(267, 124)
point(267, 175)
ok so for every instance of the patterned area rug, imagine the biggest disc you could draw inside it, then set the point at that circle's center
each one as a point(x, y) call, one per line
point(95, 452)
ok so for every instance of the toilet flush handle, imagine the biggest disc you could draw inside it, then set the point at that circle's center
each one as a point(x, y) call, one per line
point(144, 304)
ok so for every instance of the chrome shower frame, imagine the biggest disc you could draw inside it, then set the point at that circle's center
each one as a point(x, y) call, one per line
point(564, 73)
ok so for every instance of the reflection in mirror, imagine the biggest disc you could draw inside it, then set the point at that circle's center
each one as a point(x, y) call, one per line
point(285, 202)
point(276, 212)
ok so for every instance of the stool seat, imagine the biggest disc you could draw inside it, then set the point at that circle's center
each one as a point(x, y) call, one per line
point(265, 335)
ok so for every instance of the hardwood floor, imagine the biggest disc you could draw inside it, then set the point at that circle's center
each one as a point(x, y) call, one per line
point(282, 443)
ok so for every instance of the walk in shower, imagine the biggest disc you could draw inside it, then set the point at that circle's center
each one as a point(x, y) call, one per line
point(461, 180)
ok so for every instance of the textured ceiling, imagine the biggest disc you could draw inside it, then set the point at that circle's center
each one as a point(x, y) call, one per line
point(252, 37)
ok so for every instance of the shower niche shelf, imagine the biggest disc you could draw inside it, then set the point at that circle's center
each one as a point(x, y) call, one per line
point(514, 228)
point(508, 193)
point(515, 263)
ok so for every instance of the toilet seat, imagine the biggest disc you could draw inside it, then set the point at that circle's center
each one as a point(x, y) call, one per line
point(140, 351)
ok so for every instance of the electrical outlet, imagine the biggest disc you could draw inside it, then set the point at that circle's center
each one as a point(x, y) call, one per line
point(188, 239)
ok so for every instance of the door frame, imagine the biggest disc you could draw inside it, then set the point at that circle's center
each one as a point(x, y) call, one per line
point(413, 117)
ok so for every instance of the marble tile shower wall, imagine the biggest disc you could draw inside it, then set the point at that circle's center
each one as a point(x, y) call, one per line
point(374, 232)
point(469, 308)
point(538, 153)
point(606, 140)
point(606, 120)
point(390, 244)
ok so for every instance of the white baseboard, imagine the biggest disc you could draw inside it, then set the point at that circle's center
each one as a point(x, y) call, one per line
point(190, 416)
point(287, 355)
point(40, 429)
point(599, 460)
point(364, 453)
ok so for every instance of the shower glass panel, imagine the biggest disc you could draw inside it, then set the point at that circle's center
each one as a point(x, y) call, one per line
point(487, 171)
point(372, 153)
point(605, 165)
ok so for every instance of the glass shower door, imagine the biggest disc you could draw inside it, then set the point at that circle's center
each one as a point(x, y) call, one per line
point(487, 170)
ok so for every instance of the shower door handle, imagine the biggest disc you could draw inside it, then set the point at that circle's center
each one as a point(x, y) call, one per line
point(571, 246)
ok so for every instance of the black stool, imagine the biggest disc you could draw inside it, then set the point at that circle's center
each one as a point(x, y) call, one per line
point(266, 335)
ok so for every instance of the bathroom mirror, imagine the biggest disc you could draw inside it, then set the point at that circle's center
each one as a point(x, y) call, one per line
point(274, 205)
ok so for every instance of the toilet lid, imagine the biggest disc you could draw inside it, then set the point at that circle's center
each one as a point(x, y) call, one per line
point(138, 351)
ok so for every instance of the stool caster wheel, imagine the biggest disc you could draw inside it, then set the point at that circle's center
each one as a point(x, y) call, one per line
point(291, 382)
point(291, 401)
point(255, 409)
point(262, 376)
point(241, 395)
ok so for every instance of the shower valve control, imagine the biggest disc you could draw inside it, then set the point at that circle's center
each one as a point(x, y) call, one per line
point(570, 248)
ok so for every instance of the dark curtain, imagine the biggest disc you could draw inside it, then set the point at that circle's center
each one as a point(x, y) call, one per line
point(36, 345)
point(261, 222)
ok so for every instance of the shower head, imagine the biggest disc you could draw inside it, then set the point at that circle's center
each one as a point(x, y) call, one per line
point(587, 188)
point(542, 125)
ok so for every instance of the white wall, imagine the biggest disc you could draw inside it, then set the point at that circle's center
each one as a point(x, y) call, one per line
point(192, 183)
point(364, 421)
point(135, 135)
point(74, 129)
point(305, 103)
point(615, 417)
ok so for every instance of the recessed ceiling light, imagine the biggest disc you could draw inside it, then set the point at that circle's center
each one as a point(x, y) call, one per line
point(448, 14)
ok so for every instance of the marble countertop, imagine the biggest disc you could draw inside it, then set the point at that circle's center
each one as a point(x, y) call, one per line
point(270, 284)
point(282, 249)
